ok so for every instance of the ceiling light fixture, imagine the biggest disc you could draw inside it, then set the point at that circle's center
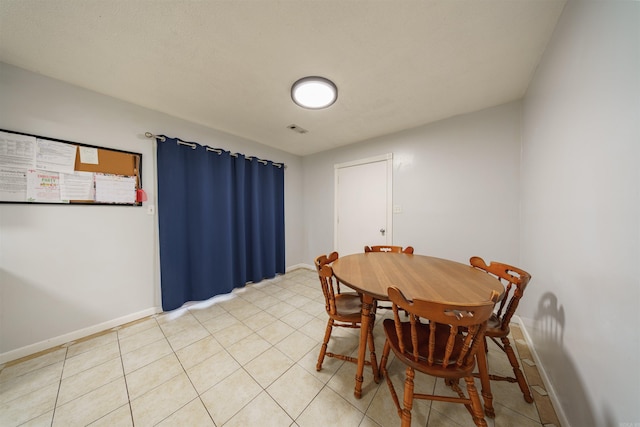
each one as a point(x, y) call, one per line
point(314, 92)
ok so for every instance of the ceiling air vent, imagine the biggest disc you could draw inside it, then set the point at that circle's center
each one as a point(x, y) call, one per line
point(297, 128)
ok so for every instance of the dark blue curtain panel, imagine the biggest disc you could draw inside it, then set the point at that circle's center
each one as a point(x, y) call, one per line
point(221, 221)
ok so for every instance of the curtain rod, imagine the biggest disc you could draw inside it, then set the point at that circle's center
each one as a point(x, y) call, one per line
point(216, 150)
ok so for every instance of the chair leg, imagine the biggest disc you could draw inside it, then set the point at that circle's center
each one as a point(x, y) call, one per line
point(476, 406)
point(408, 398)
point(372, 350)
point(323, 349)
point(383, 370)
point(516, 370)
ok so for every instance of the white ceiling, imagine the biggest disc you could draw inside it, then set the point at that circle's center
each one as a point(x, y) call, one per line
point(229, 65)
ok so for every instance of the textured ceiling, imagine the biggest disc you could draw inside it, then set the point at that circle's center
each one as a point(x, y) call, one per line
point(229, 65)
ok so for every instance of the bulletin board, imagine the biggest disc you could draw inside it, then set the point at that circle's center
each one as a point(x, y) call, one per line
point(40, 170)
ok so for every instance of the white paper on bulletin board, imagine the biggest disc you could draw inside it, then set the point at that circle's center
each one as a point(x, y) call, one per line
point(13, 185)
point(77, 186)
point(43, 186)
point(115, 188)
point(17, 151)
point(55, 156)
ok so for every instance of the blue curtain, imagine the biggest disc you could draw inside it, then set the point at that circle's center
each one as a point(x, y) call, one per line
point(221, 220)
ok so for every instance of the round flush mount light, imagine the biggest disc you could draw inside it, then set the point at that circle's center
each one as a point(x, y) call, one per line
point(314, 92)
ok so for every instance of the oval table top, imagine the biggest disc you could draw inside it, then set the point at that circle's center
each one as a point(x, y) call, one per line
point(417, 276)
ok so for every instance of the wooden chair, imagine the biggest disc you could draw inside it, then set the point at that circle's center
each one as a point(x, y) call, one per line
point(344, 310)
point(388, 248)
point(445, 347)
point(515, 281)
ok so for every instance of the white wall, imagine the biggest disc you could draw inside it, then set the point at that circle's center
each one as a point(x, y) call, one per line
point(66, 271)
point(457, 182)
point(581, 212)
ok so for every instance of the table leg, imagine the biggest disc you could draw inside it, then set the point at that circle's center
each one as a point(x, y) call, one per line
point(367, 305)
point(483, 371)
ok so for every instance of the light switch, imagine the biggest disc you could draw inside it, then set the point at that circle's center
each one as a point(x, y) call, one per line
point(151, 210)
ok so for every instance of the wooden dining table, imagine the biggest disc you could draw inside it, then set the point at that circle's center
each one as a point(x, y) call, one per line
point(418, 277)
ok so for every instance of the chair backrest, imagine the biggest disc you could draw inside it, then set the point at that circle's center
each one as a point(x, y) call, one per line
point(515, 281)
point(389, 248)
point(325, 273)
point(325, 259)
point(454, 330)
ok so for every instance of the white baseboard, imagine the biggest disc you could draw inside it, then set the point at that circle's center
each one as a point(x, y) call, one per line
point(81, 333)
point(548, 384)
point(302, 265)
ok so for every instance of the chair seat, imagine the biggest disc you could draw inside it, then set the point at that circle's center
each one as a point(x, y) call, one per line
point(494, 327)
point(422, 364)
point(348, 307)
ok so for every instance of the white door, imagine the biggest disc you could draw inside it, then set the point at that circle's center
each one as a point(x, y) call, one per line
point(363, 204)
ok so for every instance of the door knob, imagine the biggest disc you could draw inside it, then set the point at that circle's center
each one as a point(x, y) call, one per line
point(382, 231)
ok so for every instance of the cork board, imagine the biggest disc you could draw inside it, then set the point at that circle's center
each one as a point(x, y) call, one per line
point(36, 169)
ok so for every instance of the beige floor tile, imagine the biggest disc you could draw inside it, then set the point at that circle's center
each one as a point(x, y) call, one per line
point(262, 411)
point(296, 345)
point(506, 417)
point(134, 342)
point(297, 318)
point(368, 422)
point(245, 312)
point(187, 336)
point(120, 417)
point(153, 375)
point(176, 322)
point(136, 327)
point(198, 352)
point(223, 405)
point(86, 381)
point(43, 420)
point(90, 344)
point(220, 323)
point(329, 409)
point(315, 308)
point(343, 382)
point(232, 334)
point(206, 312)
point(212, 370)
point(256, 371)
point(192, 414)
point(268, 367)
point(316, 327)
point(161, 402)
point(93, 405)
point(144, 355)
point(509, 395)
point(30, 382)
point(330, 365)
point(248, 348)
point(87, 360)
point(294, 390)
point(437, 419)
point(281, 308)
point(259, 320)
point(298, 301)
point(275, 332)
point(15, 370)
point(30, 406)
point(266, 302)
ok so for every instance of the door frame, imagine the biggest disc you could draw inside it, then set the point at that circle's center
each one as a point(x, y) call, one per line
point(388, 158)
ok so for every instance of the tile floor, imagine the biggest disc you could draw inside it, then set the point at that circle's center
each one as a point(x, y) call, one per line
point(244, 359)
